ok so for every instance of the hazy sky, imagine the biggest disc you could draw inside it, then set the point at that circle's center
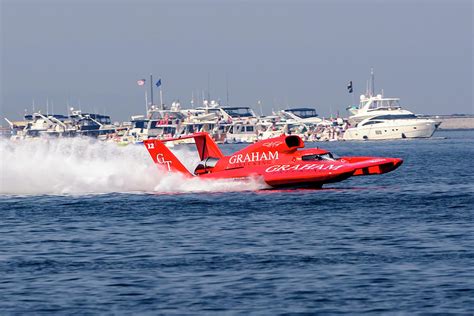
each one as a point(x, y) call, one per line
point(284, 53)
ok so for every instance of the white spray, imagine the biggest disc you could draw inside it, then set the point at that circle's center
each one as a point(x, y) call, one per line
point(85, 166)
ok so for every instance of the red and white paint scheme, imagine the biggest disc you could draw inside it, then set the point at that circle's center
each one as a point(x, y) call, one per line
point(280, 162)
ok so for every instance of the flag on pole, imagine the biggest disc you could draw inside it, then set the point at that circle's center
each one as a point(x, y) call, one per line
point(158, 83)
point(349, 87)
point(141, 82)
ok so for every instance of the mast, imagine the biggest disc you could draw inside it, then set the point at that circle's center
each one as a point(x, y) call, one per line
point(162, 105)
point(146, 102)
point(372, 77)
point(208, 86)
point(227, 88)
point(151, 88)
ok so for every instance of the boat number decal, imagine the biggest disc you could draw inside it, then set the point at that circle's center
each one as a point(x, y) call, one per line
point(150, 145)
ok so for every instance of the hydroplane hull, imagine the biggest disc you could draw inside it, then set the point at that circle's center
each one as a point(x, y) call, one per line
point(279, 162)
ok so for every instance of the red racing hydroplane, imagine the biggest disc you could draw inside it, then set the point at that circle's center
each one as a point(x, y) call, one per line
point(280, 162)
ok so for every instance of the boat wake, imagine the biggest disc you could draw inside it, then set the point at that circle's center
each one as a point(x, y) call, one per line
point(85, 166)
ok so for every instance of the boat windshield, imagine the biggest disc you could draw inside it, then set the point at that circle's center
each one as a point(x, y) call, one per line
point(239, 112)
point(139, 124)
point(386, 104)
point(371, 123)
point(88, 123)
point(158, 115)
point(169, 130)
point(395, 117)
point(194, 128)
point(237, 129)
point(327, 156)
point(297, 128)
point(303, 113)
point(102, 119)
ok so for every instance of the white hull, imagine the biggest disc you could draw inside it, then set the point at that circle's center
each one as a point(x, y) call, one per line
point(240, 138)
point(418, 128)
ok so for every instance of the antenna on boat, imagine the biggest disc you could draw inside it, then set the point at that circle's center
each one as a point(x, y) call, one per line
point(47, 106)
point(151, 88)
point(353, 96)
point(372, 77)
point(33, 105)
point(192, 99)
point(208, 86)
point(227, 88)
point(146, 101)
point(162, 105)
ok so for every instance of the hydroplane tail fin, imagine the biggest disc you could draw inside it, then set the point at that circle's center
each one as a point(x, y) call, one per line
point(164, 158)
point(206, 146)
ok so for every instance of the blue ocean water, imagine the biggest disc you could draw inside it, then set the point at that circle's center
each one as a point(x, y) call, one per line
point(398, 243)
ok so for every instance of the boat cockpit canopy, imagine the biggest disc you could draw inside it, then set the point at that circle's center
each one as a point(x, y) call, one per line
point(326, 156)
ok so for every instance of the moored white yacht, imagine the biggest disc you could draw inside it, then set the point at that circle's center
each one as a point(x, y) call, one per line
point(391, 126)
point(56, 125)
point(378, 118)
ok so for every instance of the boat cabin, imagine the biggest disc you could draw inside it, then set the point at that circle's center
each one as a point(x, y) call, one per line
point(379, 103)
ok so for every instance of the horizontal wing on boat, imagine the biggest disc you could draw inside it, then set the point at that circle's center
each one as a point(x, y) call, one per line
point(372, 165)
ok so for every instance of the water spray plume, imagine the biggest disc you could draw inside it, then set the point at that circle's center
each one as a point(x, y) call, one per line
point(86, 166)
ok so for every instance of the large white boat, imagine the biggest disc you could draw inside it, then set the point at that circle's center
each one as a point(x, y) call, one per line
point(75, 123)
point(379, 118)
point(391, 126)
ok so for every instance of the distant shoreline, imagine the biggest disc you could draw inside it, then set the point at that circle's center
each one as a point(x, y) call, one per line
point(454, 122)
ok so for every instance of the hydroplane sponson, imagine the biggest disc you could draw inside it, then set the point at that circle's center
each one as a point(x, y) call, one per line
point(279, 161)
